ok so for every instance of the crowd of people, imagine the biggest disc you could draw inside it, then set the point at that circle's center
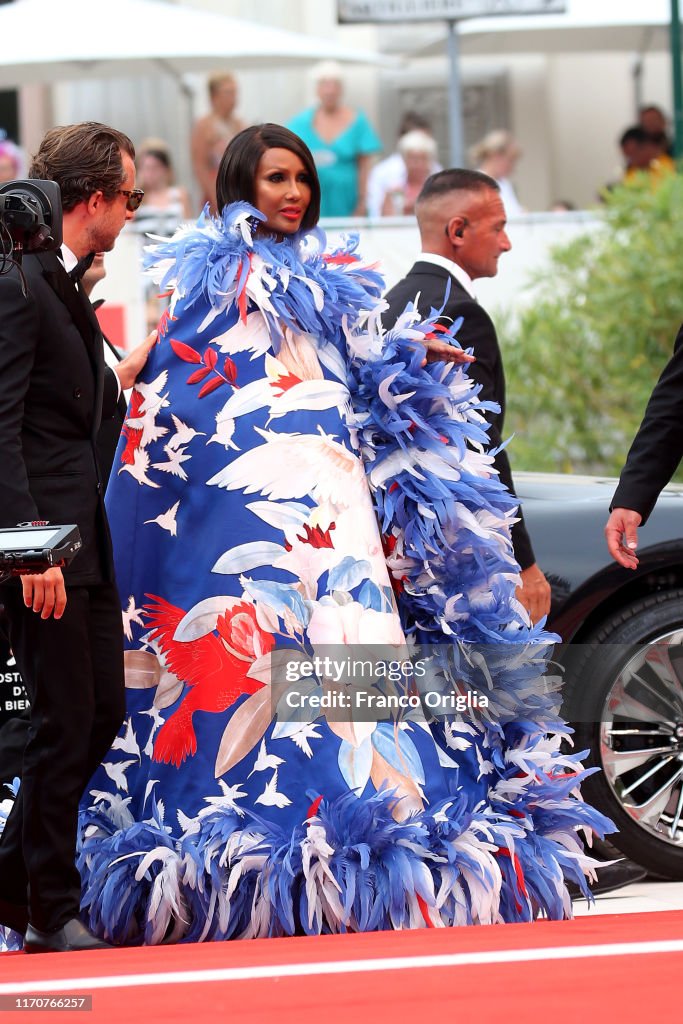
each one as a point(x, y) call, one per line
point(356, 179)
point(306, 471)
point(646, 148)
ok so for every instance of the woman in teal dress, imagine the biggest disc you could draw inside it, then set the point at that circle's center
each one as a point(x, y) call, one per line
point(342, 141)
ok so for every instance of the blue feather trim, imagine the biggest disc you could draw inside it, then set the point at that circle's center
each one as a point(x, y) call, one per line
point(307, 289)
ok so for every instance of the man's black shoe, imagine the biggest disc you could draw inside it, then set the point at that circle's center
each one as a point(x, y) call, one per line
point(14, 916)
point(611, 877)
point(71, 937)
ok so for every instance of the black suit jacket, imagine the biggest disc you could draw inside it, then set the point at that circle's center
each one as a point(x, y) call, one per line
point(54, 390)
point(477, 332)
point(658, 446)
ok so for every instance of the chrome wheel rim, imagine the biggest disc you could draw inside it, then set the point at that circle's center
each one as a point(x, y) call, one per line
point(641, 738)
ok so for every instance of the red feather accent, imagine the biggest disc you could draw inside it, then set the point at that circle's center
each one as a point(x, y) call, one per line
point(166, 318)
point(424, 910)
point(437, 329)
point(340, 258)
point(313, 809)
point(519, 874)
point(389, 542)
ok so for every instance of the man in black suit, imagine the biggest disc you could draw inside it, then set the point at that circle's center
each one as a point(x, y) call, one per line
point(462, 221)
point(65, 627)
point(14, 731)
point(651, 462)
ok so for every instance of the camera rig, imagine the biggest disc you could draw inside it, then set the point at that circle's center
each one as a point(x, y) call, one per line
point(30, 219)
point(33, 549)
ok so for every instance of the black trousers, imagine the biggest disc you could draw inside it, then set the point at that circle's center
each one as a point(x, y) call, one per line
point(73, 672)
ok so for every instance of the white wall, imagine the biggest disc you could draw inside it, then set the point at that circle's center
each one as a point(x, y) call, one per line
point(394, 244)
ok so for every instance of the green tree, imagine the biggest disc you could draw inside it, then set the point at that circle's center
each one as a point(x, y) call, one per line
point(582, 358)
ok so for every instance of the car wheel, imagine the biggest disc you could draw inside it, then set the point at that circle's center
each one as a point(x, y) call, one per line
point(627, 708)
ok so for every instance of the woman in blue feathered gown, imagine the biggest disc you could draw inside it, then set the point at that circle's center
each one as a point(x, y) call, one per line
point(273, 414)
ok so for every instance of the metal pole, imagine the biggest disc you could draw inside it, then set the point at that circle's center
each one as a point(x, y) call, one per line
point(456, 152)
point(637, 86)
point(675, 42)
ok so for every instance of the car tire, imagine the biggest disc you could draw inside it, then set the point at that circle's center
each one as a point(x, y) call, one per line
point(627, 664)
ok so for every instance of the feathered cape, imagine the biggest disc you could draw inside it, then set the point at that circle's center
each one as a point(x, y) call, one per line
point(499, 841)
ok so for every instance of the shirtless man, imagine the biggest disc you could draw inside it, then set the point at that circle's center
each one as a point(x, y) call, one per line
point(212, 133)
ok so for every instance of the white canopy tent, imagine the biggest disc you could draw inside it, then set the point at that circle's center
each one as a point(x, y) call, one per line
point(56, 40)
point(109, 46)
point(636, 26)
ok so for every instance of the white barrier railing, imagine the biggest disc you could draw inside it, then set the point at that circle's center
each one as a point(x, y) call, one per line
point(394, 243)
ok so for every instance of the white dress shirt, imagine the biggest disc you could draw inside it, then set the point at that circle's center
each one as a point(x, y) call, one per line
point(70, 260)
point(460, 275)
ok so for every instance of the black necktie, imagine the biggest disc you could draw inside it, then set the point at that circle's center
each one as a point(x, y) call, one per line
point(77, 272)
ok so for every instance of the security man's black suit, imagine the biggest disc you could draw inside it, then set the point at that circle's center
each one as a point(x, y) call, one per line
point(657, 448)
point(54, 389)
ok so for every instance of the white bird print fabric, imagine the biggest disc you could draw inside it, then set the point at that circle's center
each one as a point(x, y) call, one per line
point(288, 483)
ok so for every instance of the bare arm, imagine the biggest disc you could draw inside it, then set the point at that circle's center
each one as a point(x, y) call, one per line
point(200, 149)
point(364, 164)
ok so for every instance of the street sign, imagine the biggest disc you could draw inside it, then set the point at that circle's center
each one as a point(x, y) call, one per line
point(440, 10)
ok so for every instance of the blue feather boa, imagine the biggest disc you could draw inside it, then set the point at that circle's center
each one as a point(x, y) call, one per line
point(303, 288)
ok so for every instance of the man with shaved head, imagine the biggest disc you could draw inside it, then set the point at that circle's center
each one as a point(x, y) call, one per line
point(462, 221)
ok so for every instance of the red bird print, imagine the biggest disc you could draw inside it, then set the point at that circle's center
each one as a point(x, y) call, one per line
point(132, 435)
point(214, 675)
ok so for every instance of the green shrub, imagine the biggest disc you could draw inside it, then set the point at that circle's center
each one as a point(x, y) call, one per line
point(582, 360)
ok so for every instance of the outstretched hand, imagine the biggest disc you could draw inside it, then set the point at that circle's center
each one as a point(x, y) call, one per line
point(442, 352)
point(133, 364)
point(621, 534)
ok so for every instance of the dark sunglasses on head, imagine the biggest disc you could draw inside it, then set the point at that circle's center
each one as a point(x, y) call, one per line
point(133, 197)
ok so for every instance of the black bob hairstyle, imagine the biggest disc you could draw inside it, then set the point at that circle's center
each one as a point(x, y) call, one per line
point(237, 172)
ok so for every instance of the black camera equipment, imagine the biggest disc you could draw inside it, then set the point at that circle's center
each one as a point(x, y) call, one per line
point(30, 219)
point(28, 548)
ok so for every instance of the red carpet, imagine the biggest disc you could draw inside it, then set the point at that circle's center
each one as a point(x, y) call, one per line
point(611, 969)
